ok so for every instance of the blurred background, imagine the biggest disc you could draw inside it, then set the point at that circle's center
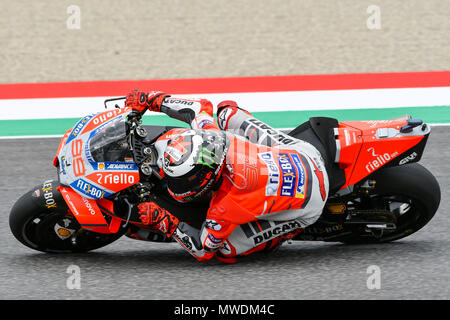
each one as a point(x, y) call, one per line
point(162, 39)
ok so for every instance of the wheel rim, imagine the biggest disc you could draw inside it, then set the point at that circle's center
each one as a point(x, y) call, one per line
point(406, 209)
point(41, 232)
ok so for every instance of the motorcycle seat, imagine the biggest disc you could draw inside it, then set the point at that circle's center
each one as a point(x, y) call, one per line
point(319, 131)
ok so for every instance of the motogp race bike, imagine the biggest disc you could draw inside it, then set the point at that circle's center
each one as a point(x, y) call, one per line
point(107, 164)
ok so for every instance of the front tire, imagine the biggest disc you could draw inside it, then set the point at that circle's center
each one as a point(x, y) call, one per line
point(49, 226)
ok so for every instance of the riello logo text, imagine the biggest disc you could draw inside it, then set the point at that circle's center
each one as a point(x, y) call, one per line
point(378, 162)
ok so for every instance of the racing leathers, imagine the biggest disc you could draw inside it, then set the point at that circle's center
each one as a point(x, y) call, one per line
point(272, 186)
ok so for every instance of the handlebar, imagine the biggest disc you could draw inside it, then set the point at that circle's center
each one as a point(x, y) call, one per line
point(134, 115)
point(113, 99)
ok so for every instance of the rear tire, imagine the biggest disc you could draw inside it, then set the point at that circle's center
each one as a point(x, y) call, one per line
point(416, 185)
point(52, 228)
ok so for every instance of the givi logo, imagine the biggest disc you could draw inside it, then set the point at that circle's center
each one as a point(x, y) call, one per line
point(409, 158)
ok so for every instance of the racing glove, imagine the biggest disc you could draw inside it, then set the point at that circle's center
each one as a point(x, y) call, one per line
point(141, 101)
point(157, 218)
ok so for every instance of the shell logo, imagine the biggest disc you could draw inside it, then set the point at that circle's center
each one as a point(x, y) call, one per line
point(63, 232)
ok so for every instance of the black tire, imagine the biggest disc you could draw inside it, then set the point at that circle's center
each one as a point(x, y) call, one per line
point(412, 183)
point(33, 219)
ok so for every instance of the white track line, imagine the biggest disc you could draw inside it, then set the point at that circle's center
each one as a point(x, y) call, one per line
point(19, 109)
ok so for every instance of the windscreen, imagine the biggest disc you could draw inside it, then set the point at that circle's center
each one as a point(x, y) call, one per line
point(109, 143)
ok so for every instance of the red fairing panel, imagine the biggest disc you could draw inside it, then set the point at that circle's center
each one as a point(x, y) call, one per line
point(362, 151)
point(87, 212)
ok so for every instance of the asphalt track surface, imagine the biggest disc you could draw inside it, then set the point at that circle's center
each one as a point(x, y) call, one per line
point(413, 268)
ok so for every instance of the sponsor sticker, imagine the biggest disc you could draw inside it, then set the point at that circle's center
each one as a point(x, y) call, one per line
point(79, 127)
point(204, 123)
point(88, 189)
point(273, 180)
point(121, 166)
point(114, 178)
point(204, 119)
point(212, 224)
point(223, 118)
point(270, 230)
point(179, 101)
point(101, 119)
point(300, 188)
point(275, 134)
point(380, 160)
point(63, 165)
point(63, 232)
point(288, 181)
point(409, 158)
point(226, 249)
point(47, 190)
point(212, 242)
point(87, 152)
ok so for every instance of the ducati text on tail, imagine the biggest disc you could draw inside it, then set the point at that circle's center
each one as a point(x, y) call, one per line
point(108, 163)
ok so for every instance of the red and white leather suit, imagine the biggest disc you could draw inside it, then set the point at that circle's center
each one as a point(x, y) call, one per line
point(273, 185)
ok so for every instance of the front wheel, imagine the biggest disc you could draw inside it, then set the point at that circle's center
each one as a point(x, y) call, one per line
point(410, 192)
point(41, 220)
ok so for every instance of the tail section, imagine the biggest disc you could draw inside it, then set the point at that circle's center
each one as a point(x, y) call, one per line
point(363, 147)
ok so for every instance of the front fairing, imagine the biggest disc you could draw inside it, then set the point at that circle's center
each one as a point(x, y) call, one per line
point(95, 159)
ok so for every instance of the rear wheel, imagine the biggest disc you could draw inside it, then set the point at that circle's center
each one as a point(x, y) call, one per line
point(410, 193)
point(52, 228)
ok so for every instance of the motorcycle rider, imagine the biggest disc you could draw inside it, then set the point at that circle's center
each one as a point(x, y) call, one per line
point(264, 186)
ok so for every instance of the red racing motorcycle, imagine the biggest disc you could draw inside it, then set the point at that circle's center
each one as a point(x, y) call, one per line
point(108, 163)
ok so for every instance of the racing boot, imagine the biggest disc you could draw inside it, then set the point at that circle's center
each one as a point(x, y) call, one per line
point(158, 218)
